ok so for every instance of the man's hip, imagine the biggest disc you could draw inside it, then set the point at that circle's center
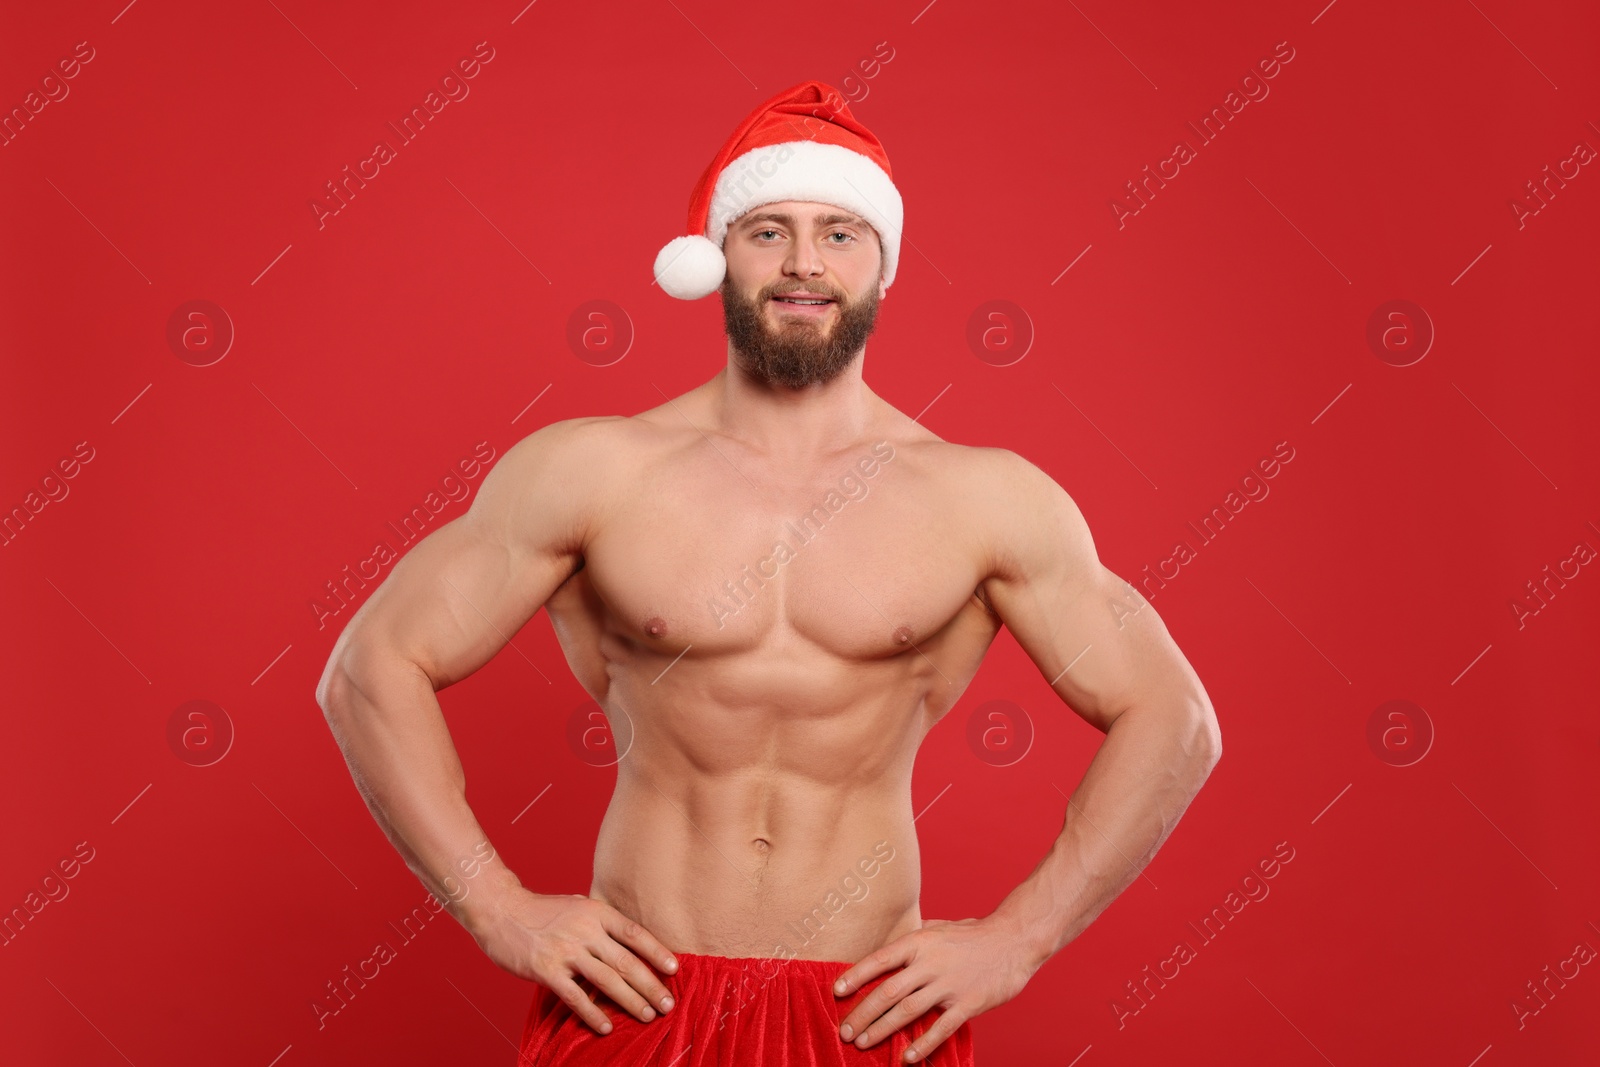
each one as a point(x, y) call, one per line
point(726, 1011)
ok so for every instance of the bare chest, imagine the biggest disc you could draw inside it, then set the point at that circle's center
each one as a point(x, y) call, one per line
point(860, 566)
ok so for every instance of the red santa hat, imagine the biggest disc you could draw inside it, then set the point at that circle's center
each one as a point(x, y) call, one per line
point(803, 144)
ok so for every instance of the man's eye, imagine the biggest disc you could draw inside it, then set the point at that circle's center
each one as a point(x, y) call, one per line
point(838, 233)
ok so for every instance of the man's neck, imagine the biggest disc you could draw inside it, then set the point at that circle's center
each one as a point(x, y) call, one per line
point(791, 426)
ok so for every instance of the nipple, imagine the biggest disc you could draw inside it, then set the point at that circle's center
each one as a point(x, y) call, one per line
point(655, 626)
point(902, 634)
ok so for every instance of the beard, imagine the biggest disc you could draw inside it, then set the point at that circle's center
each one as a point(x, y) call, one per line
point(797, 352)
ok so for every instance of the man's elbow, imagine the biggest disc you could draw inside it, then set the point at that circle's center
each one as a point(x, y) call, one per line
point(331, 685)
point(1205, 734)
point(339, 679)
point(1190, 726)
point(367, 678)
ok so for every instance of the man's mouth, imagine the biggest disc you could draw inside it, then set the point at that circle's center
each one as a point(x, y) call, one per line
point(811, 305)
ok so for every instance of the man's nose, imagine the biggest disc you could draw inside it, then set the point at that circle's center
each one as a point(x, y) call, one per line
point(803, 260)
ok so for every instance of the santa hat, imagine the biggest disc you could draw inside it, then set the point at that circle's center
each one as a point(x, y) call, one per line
point(803, 144)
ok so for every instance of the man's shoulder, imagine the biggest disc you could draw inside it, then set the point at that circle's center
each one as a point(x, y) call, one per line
point(1016, 513)
point(983, 473)
point(583, 441)
point(562, 479)
point(561, 472)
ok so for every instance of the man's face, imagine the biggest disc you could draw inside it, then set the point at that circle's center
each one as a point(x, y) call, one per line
point(820, 252)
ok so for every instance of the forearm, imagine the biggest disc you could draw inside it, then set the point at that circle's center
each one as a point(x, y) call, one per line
point(388, 723)
point(1150, 766)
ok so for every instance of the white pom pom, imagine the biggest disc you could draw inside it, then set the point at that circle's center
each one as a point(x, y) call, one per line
point(690, 267)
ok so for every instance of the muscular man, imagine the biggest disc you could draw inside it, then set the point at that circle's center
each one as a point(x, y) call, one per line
point(774, 585)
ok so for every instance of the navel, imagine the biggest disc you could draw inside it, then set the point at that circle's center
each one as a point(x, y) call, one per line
point(902, 635)
point(655, 626)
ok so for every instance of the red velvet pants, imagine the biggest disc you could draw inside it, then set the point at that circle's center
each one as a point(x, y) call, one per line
point(759, 1011)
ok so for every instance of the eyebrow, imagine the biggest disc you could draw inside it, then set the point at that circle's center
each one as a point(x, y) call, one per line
point(821, 219)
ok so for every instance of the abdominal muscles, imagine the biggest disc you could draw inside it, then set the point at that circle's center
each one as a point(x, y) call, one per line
point(765, 812)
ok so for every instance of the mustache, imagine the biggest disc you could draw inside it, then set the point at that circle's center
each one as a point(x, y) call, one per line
point(775, 290)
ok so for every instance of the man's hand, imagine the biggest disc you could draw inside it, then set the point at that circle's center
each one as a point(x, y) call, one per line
point(560, 940)
point(964, 968)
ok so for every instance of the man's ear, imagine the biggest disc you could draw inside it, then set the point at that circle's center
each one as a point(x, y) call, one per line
point(883, 290)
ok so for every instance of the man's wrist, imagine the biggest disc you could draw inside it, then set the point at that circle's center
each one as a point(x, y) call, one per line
point(1038, 928)
point(478, 902)
point(1035, 940)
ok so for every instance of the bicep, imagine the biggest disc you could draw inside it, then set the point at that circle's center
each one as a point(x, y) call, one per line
point(1098, 643)
point(455, 600)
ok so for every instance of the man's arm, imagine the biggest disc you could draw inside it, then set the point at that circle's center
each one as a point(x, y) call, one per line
point(444, 611)
point(448, 606)
point(1109, 657)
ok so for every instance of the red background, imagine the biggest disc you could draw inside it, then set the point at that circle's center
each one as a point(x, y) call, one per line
point(1229, 314)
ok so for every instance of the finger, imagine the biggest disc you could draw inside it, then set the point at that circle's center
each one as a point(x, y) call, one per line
point(633, 934)
point(907, 1010)
point(885, 995)
point(616, 987)
point(870, 966)
point(947, 1023)
point(634, 971)
point(574, 997)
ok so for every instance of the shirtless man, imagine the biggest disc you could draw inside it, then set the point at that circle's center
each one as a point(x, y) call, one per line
point(775, 585)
